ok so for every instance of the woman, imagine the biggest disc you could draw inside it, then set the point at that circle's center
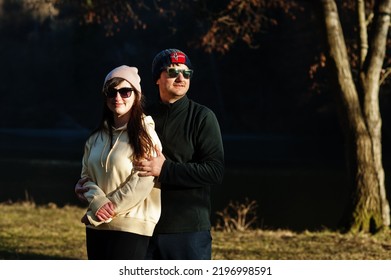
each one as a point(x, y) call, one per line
point(123, 207)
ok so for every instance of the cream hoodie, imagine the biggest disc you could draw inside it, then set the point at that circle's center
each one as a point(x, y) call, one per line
point(112, 178)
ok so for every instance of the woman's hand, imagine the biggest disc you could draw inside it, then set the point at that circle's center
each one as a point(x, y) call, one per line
point(106, 212)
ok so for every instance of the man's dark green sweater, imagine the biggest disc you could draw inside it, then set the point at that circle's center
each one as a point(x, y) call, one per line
point(193, 147)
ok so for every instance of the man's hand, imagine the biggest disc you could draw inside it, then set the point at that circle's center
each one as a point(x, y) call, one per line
point(80, 190)
point(150, 166)
point(85, 220)
point(106, 212)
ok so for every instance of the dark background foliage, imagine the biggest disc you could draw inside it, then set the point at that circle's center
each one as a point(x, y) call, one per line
point(54, 68)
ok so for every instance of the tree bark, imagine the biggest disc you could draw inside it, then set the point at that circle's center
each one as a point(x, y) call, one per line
point(362, 23)
point(370, 82)
point(367, 213)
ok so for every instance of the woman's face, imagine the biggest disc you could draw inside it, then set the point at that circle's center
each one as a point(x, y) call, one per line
point(118, 102)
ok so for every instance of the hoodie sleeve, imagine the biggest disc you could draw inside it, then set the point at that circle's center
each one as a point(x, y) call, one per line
point(132, 193)
point(95, 196)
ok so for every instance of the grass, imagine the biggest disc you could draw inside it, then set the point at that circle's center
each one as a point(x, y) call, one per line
point(287, 245)
point(28, 231)
point(41, 232)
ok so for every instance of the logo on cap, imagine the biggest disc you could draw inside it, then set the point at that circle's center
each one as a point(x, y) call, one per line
point(178, 57)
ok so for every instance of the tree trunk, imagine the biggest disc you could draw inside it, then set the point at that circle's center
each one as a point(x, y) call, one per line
point(369, 78)
point(367, 212)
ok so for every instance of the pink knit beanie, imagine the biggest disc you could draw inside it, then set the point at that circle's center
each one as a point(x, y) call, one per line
point(128, 73)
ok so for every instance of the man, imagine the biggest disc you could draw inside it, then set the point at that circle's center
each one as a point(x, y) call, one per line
point(193, 161)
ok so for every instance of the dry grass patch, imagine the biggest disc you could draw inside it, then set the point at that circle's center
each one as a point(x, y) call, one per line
point(28, 231)
point(287, 245)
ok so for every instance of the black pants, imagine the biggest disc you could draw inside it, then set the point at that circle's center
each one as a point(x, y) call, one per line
point(115, 245)
point(181, 246)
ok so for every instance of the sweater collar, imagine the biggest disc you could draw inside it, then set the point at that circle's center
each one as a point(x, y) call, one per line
point(177, 105)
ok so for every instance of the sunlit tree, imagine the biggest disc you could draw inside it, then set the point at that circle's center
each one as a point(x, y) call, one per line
point(360, 107)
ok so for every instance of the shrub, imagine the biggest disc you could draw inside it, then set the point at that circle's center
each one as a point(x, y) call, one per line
point(237, 216)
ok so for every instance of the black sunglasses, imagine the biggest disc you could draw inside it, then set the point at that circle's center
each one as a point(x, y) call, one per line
point(174, 72)
point(124, 92)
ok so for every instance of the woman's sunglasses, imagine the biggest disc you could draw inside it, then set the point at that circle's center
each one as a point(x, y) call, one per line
point(124, 92)
point(174, 72)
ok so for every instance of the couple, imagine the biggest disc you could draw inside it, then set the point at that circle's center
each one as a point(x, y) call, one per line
point(147, 178)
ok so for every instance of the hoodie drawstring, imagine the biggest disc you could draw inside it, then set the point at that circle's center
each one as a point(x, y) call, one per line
point(108, 155)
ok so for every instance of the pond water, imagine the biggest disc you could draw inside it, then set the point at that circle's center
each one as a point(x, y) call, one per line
point(300, 197)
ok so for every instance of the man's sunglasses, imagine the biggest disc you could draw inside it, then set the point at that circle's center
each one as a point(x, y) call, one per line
point(124, 92)
point(174, 72)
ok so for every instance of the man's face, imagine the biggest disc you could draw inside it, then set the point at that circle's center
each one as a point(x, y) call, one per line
point(172, 88)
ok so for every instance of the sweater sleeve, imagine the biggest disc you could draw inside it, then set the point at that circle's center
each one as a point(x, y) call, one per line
point(95, 195)
point(208, 166)
point(133, 192)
